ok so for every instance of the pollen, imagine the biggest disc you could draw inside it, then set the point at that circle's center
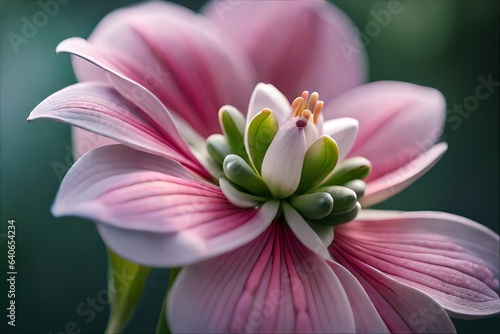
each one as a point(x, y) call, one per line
point(305, 106)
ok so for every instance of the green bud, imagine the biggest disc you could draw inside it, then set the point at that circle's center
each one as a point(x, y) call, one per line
point(239, 172)
point(218, 148)
point(358, 186)
point(343, 198)
point(313, 206)
point(350, 169)
point(319, 161)
point(233, 126)
point(339, 217)
point(261, 131)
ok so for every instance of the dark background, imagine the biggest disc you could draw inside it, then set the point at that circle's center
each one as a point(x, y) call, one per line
point(62, 262)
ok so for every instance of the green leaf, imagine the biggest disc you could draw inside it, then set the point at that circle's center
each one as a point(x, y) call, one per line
point(125, 283)
point(261, 131)
point(319, 161)
point(233, 126)
point(350, 169)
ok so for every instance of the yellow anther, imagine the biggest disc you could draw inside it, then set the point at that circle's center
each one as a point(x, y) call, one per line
point(306, 114)
point(317, 110)
point(297, 106)
point(312, 100)
point(305, 106)
point(305, 95)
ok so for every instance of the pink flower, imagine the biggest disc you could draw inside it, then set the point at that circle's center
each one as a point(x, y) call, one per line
point(258, 245)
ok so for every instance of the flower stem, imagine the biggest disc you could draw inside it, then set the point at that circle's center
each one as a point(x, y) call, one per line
point(162, 326)
point(125, 284)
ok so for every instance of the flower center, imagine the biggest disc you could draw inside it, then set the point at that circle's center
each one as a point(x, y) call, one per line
point(313, 104)
point(261, 159)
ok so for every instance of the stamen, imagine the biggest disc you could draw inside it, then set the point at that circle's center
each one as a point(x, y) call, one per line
point(297, 106)
point(317, 110)
point(305, 95)
point(306, 114)
point(305, 106)
point(312, 100)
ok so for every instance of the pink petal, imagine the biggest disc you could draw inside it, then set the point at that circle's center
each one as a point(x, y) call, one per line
point(176, 54)
point(84, 141)
point(397, 122)
point(132, 91)
point(99, 108)
point(274, 284)
point(295, 45)
point(152, 211)
point(404, 309)
point(392, 183)
point(366, 316)
point(450, 258)
point(155, 111)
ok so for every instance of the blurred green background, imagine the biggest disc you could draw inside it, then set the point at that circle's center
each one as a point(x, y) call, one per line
point(62, 262)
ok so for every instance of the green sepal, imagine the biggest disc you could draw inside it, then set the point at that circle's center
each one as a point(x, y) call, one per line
point(261, 131)
point(233, 126)
point(125, 283)
point(313, 206)
point(358, 186)
point(238, 171)
point(350, 169)
point(319, 161)
point(218, 148)
point(339, 217)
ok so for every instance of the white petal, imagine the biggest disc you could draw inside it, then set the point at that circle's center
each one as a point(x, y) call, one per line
point(239, 198)
point(325, 233)
point(304, 232)
point(268, 96)
point(343, 131)
point(282, 164)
